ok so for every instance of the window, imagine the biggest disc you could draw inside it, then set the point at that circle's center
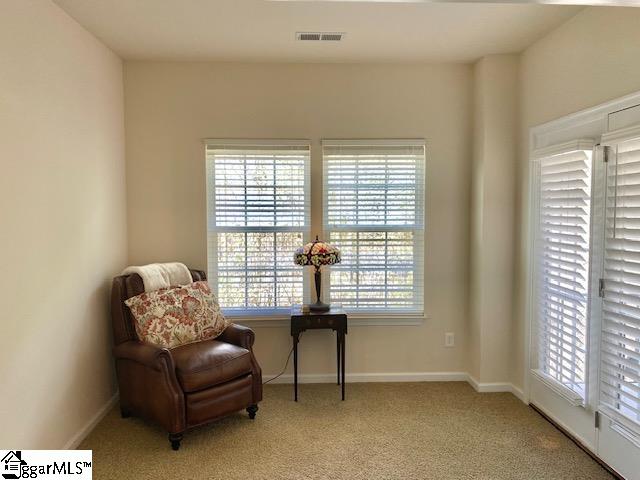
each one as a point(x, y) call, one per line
point(562, 256)
point(257, 215)
point(620, 339)
point(374, 212)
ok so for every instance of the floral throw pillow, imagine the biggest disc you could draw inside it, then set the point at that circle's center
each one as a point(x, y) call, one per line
point(175, 316)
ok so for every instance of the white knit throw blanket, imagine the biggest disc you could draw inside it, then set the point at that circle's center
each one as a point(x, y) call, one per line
point(161, 275)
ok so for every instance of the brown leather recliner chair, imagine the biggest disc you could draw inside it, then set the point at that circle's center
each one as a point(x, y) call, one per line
point(186, 386)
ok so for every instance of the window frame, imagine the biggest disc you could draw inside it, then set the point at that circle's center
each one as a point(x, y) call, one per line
point(384, 316)
point(589, 123)
point(258, 313)
point(627, 427)
point(537, 157)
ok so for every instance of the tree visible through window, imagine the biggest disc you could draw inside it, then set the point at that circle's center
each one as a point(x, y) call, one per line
point(258, 214)
point(374, 212)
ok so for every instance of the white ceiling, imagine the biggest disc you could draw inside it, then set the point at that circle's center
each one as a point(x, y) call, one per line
point(260, 30)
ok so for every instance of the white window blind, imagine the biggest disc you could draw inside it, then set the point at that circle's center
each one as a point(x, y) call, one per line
point(620, 339)
point(562, 256)
point(258, 214)
point(374, 204)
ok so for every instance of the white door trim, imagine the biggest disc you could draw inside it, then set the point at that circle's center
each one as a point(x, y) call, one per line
point(541, 136)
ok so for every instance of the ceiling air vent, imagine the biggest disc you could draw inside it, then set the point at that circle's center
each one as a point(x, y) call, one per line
point(320, 36)
point(332, 37)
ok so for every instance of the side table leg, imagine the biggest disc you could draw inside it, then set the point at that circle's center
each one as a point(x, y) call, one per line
point(338, 355)
point(344, 380)
point(295, 368)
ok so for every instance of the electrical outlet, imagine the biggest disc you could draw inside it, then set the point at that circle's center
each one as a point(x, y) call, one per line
point(449, 339)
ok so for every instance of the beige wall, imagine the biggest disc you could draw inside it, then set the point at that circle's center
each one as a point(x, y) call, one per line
point(492, 233)
point(63, 229)
point(588, 60)
point(170, 107)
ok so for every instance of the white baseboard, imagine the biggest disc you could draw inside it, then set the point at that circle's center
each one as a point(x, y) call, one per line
point(91, 424)
point(497, 387)
point(373, 377)
point(518, 392)
point(489, 387)
point(404, 377)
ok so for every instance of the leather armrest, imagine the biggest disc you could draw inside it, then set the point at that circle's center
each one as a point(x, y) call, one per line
point(144, 353)
point(238, 335)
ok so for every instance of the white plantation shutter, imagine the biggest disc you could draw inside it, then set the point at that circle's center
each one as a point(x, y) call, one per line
point(620, 338)
point(374, 212)
point(257, 215)
point(562, 264)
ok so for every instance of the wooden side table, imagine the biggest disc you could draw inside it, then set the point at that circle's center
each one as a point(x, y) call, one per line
point(336, 320)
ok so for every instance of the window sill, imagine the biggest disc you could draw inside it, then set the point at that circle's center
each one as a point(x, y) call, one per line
point(565, 392)
point(355, 320)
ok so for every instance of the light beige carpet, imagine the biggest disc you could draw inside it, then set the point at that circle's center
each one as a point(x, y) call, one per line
point(382, 431)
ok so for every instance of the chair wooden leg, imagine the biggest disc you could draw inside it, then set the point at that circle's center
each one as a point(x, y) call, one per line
point(124, 413)
point(175, 439)
point(252, 410)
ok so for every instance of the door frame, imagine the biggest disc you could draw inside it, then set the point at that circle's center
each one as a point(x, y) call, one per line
point(588, 123)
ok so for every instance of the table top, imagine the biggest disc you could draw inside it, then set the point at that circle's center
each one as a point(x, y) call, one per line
point(334, 310)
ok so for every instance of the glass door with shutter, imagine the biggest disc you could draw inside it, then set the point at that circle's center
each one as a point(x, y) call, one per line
point(562, 373)
point(619, 350)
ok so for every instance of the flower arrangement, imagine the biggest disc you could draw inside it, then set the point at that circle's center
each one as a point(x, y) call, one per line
point(317, 254)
